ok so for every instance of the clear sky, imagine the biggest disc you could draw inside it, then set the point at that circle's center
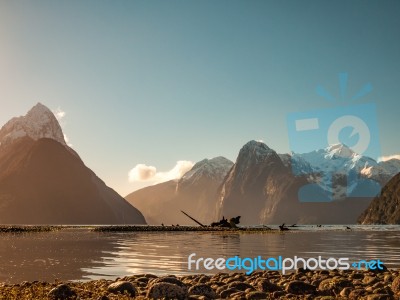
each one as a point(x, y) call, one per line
point(156, 82)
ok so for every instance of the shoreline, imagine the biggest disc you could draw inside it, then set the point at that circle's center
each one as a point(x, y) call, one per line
point(179, 228)
point(302, 284)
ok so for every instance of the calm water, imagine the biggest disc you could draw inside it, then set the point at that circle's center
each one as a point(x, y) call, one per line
point(78, 254)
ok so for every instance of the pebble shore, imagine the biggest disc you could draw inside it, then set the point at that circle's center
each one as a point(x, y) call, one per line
point(303, 284)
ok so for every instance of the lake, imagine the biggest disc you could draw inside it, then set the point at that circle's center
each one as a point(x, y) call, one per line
point(80, 254)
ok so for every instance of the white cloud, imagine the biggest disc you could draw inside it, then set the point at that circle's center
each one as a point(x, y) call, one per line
point(144, 173)
point(141, 172)
point(60, 114)
point(389, 157)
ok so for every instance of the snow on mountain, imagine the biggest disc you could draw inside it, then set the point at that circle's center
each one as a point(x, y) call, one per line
point(336, 159)
point(215, 169)
point(38, 123)
point(338, 169)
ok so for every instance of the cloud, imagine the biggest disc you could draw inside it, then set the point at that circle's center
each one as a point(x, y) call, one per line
point(141, 172)
point(389, 157)
point(144, 173)
point(60, 114)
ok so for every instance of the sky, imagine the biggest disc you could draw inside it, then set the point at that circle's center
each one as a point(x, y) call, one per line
point(147, 88)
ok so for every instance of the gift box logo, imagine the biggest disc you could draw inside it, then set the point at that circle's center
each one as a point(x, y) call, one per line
point(354, 125)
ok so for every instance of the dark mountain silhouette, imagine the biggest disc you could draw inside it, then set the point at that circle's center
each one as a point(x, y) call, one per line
point(43, 181)
point(384, 209)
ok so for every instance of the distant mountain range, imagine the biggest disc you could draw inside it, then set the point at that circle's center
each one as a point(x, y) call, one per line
point(44, 181)
point(263, 187)
point(195, 193)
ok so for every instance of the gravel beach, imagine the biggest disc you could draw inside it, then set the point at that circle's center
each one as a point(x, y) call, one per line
point(303, 284)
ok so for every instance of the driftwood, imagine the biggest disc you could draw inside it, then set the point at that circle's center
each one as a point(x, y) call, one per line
point(283, 227)
point(192, 219)
point(225, 223)
point(222, 223)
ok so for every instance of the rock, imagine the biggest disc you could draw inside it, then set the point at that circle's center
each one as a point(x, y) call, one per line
point(346, 292)
point(166, 290)
point(300, 288)
point(123, 287)
point(379, 270)
point(387, 278)
point(61, 292)
point(203, 290)
point(357, 276)
point(241, 286)
point(256, 295)
point(203, 279)
point(197, 297)
point(356, 294)
point(379, 297)
point(396, 285)
point(370, 280)
point(238, 296)
point(142, 279)
point(169, 279)
point(333, 286)
point(228, 292)
point(265, 285)
point(278, 294)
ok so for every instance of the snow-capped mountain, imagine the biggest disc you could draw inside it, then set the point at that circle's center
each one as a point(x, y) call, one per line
point(256, 185)
point(264, 187)
point(44, 181)
point(336, 158)
point(214, 169)
point(38, 123)
point(342, 172)
point(195, 193)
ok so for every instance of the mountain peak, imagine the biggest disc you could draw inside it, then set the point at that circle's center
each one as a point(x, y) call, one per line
point(256, 149)
point(38, 123)
point(340, 150)
point(215, 168)
point(39, 108)
point(255, 144)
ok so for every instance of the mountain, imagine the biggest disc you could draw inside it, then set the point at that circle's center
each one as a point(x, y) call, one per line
point(44, 181)
point(384, 209)
point(195, 193)
point(263, 186)
point(343, 173)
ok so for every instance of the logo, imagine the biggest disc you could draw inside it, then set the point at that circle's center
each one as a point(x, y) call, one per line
point(278, 263)
point(352, 125)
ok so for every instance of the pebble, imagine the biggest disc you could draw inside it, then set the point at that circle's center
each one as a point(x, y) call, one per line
point(304, 284)
point(122, 287)
point(61, 292)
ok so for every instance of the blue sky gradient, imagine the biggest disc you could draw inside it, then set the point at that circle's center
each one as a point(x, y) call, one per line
point(155, 82)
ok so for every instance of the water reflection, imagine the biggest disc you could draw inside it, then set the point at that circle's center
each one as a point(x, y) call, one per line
point(83, 255)
point(51, 255)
